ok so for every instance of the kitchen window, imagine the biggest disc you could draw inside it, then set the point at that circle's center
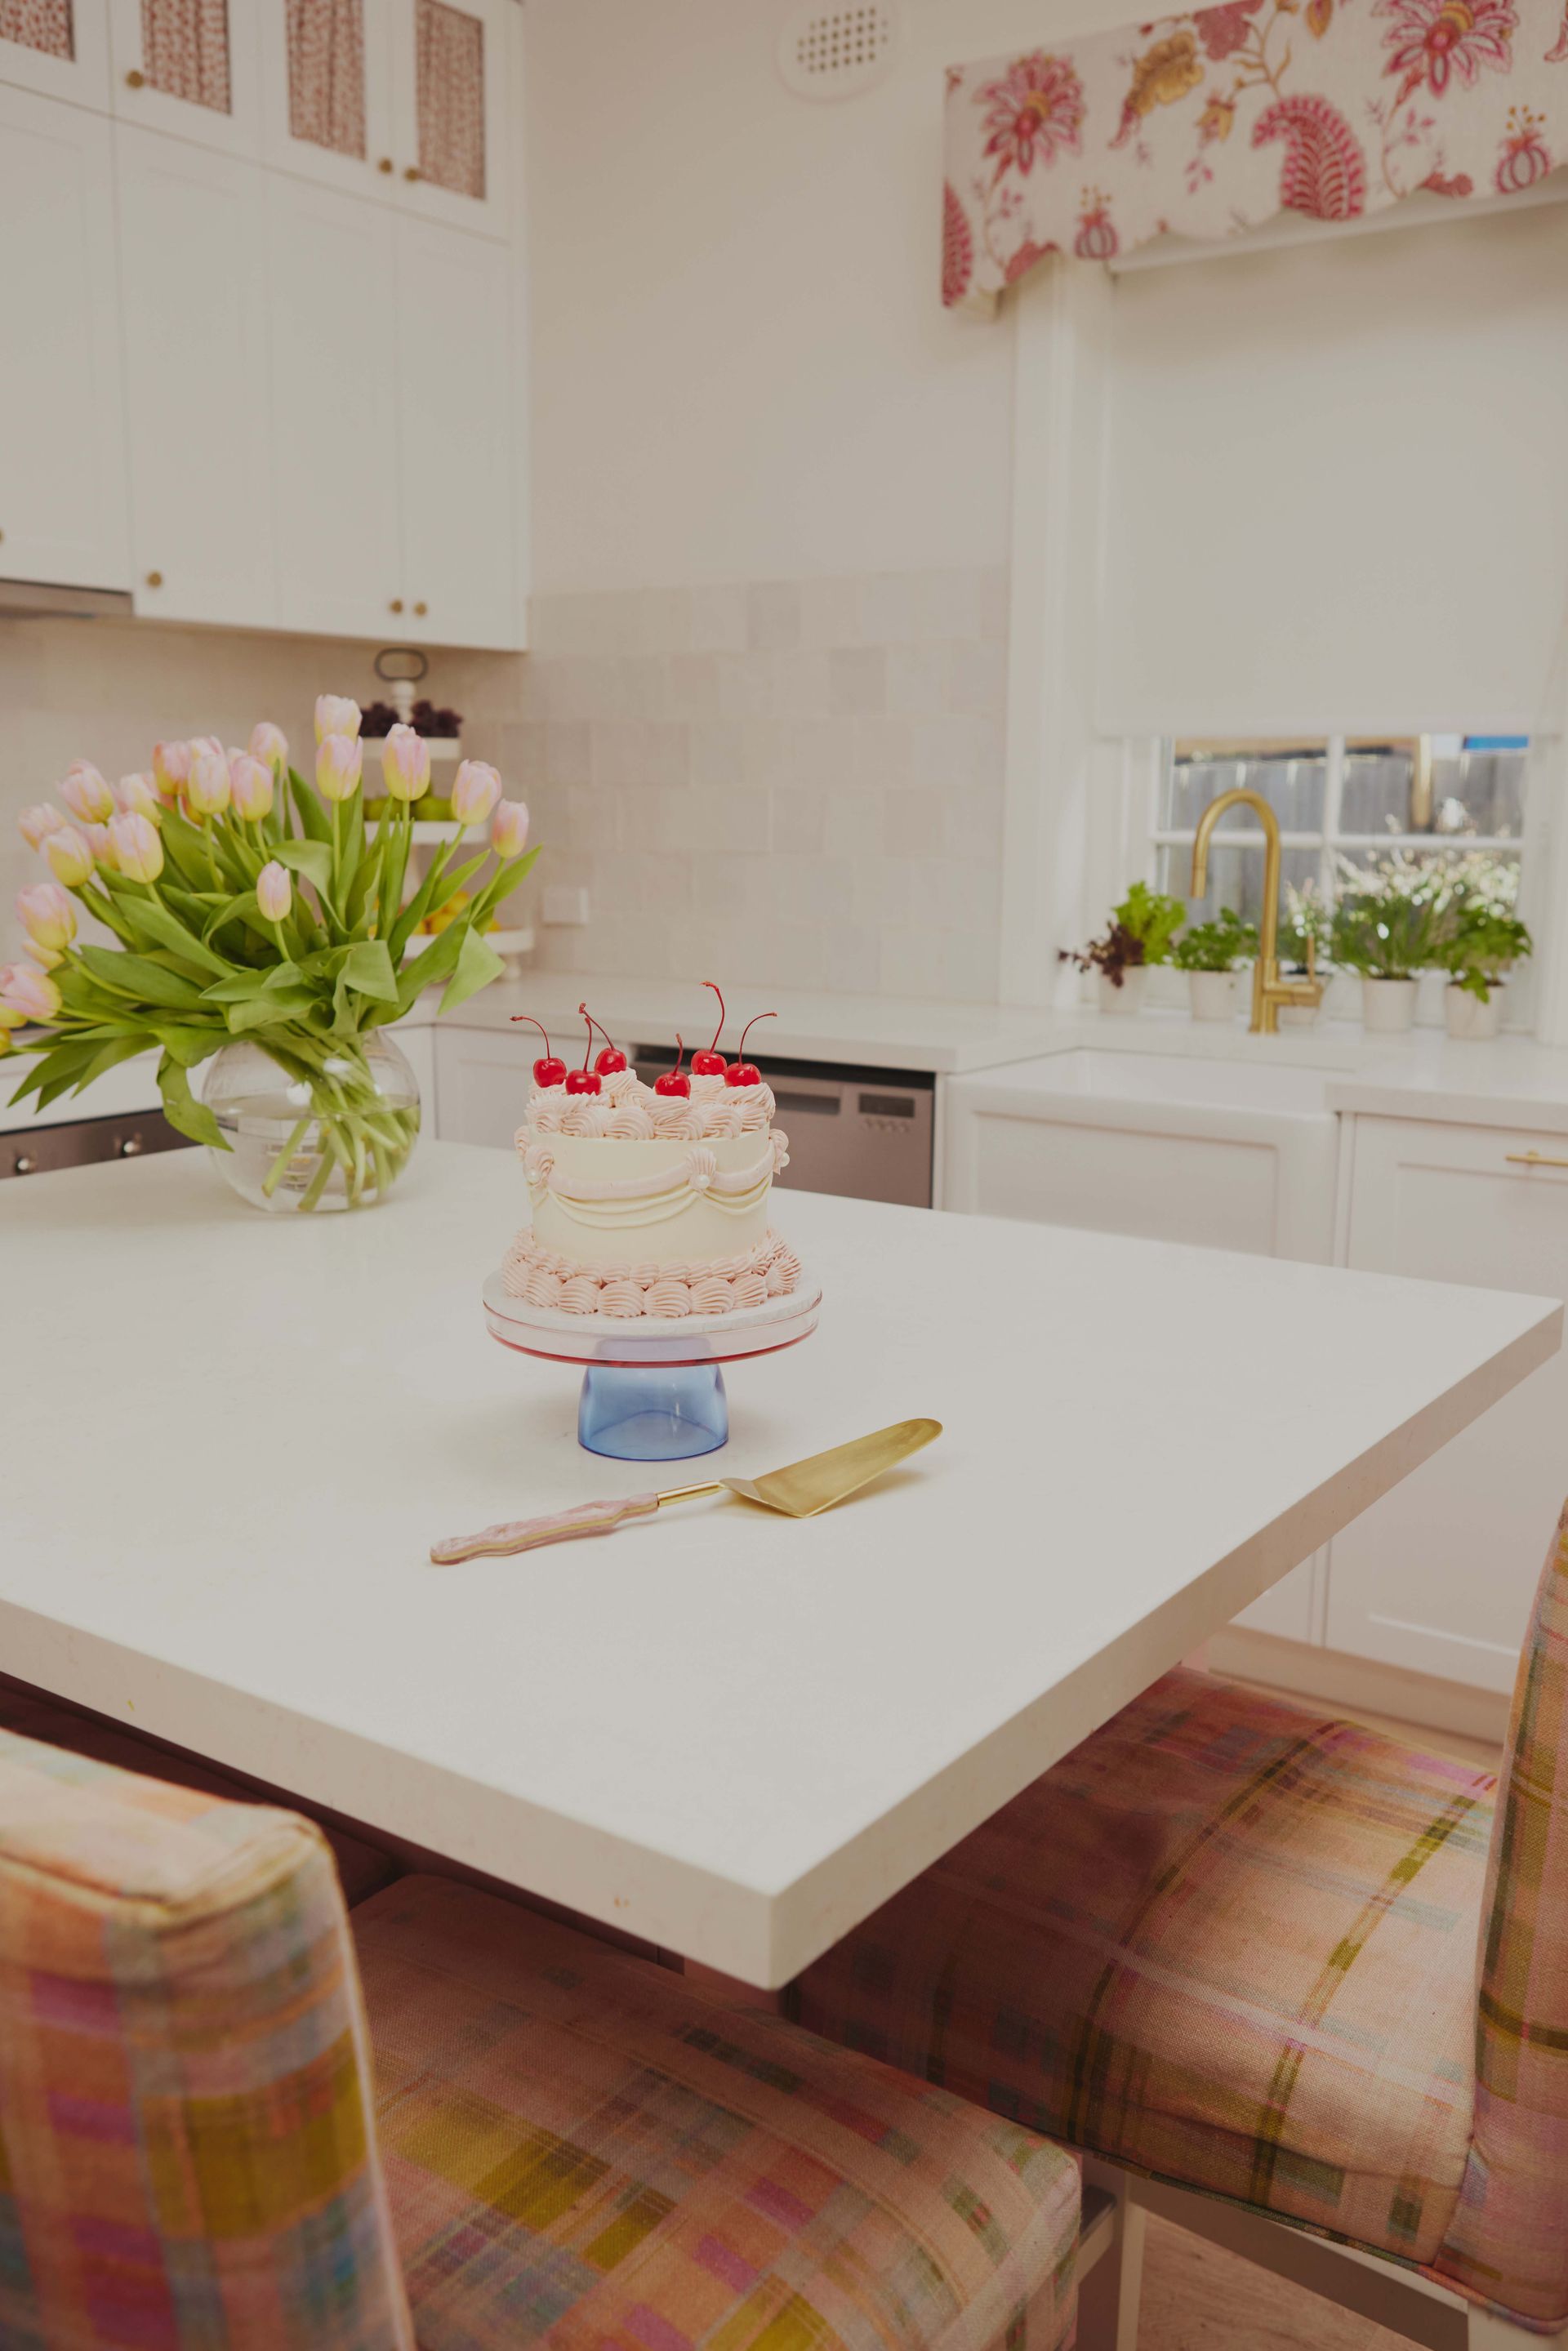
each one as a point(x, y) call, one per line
point(1338, 798)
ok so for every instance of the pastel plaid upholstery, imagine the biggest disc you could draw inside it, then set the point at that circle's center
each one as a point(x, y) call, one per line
point(585, 2149)
point(186, 2152)
point(362, 1867)
point(1508, 2241)
point(1224, 1941)
point(1236, 1946)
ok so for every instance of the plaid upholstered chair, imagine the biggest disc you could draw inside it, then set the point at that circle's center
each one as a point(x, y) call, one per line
point(557, 2144)
point(1321, 1978)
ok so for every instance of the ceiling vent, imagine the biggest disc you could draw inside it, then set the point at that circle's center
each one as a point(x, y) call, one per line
point(837, 52)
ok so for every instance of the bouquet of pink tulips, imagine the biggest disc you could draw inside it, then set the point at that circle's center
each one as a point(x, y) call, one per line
point(247, 904)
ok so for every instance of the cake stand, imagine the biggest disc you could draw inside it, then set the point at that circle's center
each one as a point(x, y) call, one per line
point(652, 1390)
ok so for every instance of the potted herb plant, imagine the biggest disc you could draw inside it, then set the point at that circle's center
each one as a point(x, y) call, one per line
point(1485, 940)
point(1387, 926)
point(1303, 946)
point(1138, 934)
point(1211, 954)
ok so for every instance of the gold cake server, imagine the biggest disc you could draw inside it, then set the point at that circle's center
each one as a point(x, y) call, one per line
point(801, 1490)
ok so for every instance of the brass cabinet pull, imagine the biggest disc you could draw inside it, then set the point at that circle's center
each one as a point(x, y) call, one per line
point(411, 171)
point(135, 80)
point(154, 580)
point(1532, 1159)
point(386, 165)
point(420, 610)
point(396, 604)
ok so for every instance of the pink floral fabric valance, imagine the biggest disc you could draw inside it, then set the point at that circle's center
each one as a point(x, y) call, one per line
point(1208, 124)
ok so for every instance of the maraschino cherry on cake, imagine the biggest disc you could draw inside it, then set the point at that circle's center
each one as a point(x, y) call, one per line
point(649, 1200)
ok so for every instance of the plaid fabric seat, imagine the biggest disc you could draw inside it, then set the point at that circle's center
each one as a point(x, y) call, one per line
point(362, 1867)
point(1233, 1944)
point(585, 2148)
point(186, 2141)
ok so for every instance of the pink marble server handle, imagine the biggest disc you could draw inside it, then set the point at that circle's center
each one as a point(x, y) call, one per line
point(526, 1534)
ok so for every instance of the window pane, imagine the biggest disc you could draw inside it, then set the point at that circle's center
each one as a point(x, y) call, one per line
point(1479, 790)
point(1235, 879)
point(1375, 797)
point(449, 97)
point(1290, 777)
point(185, 50)
point(1470, 785)
point(327, 74)
point(38, 25)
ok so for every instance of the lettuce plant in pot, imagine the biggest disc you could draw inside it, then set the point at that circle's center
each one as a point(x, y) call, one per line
point(1138, 934)
point(1482, 946)
point(1211, 954)
point(1388, 927)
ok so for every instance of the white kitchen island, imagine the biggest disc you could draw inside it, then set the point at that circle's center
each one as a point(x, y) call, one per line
point(231, 1438)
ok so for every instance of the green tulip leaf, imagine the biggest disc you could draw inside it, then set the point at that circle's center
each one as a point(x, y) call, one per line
point(314, 821)
point(311, 858)
point(183, 1111)
point(368, 967)
point(477, 965)
point(163, 928)
point(139, 975)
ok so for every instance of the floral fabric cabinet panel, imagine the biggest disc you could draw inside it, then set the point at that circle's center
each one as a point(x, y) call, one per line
point(190, 67)
point(58, 47)
point(451, 68)
point(327, 92)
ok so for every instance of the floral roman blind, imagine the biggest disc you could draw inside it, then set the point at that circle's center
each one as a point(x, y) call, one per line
point(1208, 124)
point(327, 74)
point(185, 50)
point(449, 97)
point(38, 25)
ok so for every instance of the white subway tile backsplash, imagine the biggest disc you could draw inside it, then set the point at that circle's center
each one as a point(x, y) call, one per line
point(773, 615)
point(857, 681)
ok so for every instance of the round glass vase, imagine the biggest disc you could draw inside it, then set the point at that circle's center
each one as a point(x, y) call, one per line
point(336, 1138)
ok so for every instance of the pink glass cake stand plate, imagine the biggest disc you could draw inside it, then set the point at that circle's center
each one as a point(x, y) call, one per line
point(653, 1389)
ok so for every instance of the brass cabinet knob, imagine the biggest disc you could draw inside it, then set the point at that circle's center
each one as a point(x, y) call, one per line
point(420, 610)
point(385, 165)
point(396, 604)
point(1, 534)
point(23, 1164)
point(411, 171)
point(135, 80)
point(154, 580)
point(130, 1147)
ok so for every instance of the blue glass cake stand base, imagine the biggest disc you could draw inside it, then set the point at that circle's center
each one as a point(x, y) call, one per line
point(652, 1390)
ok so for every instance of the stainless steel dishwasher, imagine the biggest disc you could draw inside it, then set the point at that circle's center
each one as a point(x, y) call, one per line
point(863, 1132)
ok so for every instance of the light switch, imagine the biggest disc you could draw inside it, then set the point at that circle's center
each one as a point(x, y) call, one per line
point(565, 904)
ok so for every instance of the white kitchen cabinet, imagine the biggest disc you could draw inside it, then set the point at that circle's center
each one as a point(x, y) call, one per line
point(191, 68)
point(194, 305)
point(483, 1079)
point(416, 1041)
point(336, 353)
point(450, 62)
point(1439, 1575)
point(58, 48)
point(459, 428)
point(326, 102)
point(62, 458)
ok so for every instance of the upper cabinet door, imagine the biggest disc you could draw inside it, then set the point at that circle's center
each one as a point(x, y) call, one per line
point(451, 89)
point(327, 92)
point(58, 47)
point(62, 465)
point(193, 291)
point(335, 340)
point(190, 67)
point(460, 424)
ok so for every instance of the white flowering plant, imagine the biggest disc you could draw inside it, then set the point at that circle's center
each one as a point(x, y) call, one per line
point(248, 903)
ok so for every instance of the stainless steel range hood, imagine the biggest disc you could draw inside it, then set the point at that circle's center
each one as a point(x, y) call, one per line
point(37, 599)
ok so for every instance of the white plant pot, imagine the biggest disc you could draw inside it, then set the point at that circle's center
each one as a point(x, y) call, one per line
point(1387, 1006)
point(1470, 1022)
point(1213, 995)
point(1129, 997)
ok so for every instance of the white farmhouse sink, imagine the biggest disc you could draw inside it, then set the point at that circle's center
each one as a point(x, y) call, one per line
point(1232, 1154)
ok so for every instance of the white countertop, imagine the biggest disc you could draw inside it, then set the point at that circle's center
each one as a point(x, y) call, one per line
point(1511, 1081)
point(231, 1438)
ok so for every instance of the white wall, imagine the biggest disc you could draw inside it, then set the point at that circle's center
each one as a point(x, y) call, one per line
point(742, 368)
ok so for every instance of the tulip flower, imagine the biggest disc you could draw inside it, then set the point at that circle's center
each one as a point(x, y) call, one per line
point(85, 794)
point(31, 993)
point(335, 715)
point(509, 833)
point(101, 846)
point(47, 916)
point(207, 743)
point(475, 789)
point(269, 744)
point(338, 763)
point(69, 857)
point(250, 784)
point(171, 769)
point(34, 823)
point(135, 796)
point(405, 763)
point(274, 892)
point(138, 851)
point(207, 788)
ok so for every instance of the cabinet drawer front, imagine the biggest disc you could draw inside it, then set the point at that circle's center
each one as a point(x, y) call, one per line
point(1439, 1575)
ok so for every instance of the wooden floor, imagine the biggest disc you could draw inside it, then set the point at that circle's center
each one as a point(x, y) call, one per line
point(1199, 2298)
